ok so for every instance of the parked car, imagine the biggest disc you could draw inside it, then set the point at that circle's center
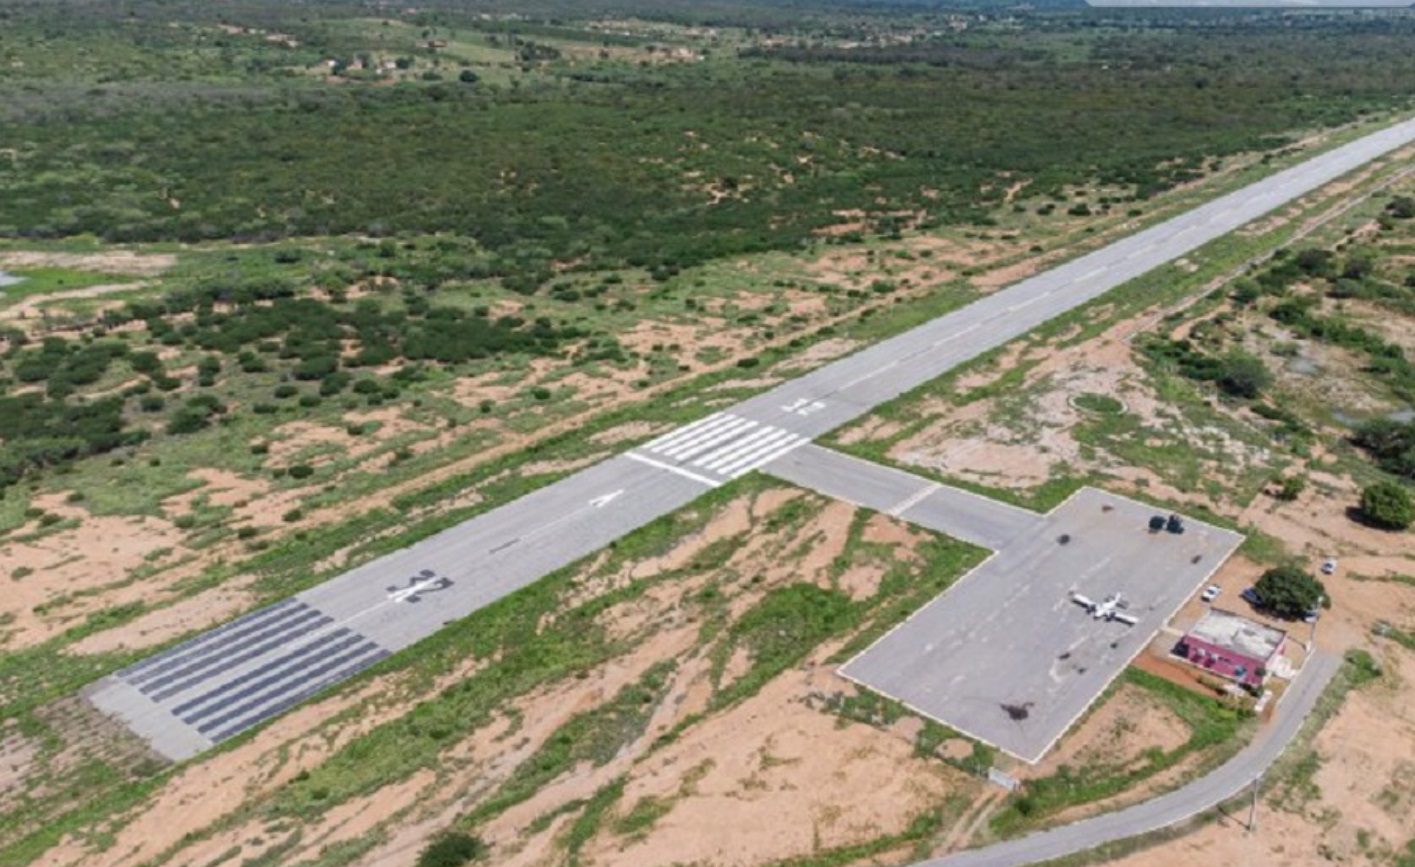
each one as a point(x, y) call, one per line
point(1156, 523)
point(1175, 524)
point(1211, 593)
point(1252, 598)
point(1329, 566)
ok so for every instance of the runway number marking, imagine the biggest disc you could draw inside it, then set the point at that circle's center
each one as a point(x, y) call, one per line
point(804, 406)
point(419, 585)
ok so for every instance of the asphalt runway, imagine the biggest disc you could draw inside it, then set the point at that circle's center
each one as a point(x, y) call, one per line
point(497, 553)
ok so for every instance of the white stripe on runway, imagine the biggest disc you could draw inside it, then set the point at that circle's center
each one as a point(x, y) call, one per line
point(693, 445)
point(914, 499)
point(763, 456)
point(718, 461)
point(712, 422)
point(722, 455)
point(687, 474)
point(681, 430)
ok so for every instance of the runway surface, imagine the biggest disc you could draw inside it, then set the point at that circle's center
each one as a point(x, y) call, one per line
point(235, 679)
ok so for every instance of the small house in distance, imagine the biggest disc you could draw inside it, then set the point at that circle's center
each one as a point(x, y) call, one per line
point(1232, 646)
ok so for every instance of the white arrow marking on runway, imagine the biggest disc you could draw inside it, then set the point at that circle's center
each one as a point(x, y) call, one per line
point(605, 499)
point(595, 503)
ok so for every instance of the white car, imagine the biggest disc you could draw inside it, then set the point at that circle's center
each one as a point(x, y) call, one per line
point(1211, 593)
point(1329, 566)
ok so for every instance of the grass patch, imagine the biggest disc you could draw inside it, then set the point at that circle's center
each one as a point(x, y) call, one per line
point(1211, 725)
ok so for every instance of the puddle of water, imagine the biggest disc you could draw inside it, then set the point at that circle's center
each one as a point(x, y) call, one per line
point(8, 279)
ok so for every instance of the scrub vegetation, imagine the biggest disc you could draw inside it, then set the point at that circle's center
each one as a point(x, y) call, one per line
point(301, 284)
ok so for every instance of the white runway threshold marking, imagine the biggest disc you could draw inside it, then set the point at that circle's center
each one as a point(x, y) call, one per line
point(723, 444)
point(687, 474)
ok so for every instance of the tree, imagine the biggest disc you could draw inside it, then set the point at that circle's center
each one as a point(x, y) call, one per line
point(1243, 375)
point(1287, 591)
point(466, 76)
point(452, 849)
point(1391, 443)
point(1387, 505)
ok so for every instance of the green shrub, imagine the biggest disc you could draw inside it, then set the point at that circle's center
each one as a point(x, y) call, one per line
point(452, 849)
point(1387, 505)
point(301, 471)
point(1290, 488)
point(1243, 375)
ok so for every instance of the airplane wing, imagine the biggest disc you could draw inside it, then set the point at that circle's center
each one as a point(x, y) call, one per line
point(1080, 599)
point(1127, 619)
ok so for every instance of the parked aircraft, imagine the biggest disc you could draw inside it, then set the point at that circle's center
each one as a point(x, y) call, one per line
point(1107, 609)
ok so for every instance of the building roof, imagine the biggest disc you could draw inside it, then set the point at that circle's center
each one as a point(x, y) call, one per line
point(1238, 634)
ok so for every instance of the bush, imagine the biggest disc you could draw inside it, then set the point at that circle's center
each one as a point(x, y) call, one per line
point(1288, 591)
point(452, 849)
point(187, 420)
point(1387, 505)
point(301, 471)
point(1291, 488)
point(1391, 443)
point(1243, 375)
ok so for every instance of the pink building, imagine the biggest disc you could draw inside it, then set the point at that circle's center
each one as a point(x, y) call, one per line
point(1231, 646)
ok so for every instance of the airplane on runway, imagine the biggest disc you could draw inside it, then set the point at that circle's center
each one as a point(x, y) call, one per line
point(1107, 609)
point(425, 581)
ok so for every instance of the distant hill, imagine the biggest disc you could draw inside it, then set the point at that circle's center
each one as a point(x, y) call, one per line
point(1244, 4)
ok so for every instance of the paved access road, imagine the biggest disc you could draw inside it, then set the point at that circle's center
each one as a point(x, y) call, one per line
point(961, 514)
point(1182, 803)
point(237, 679)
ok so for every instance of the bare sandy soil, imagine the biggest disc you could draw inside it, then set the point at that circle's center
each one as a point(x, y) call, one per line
point(1020, 437)
point(1357, 808)
point(837, 784)
point(107, 262)
point(56, 576)
point(1117, 733)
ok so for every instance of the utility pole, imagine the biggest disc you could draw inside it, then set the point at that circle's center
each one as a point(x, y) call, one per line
point(1253, 809)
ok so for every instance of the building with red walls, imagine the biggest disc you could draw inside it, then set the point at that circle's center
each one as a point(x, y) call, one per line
point(1232, 646)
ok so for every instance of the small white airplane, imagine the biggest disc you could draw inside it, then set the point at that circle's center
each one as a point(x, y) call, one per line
point(425, 581)
point(1107, 609)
